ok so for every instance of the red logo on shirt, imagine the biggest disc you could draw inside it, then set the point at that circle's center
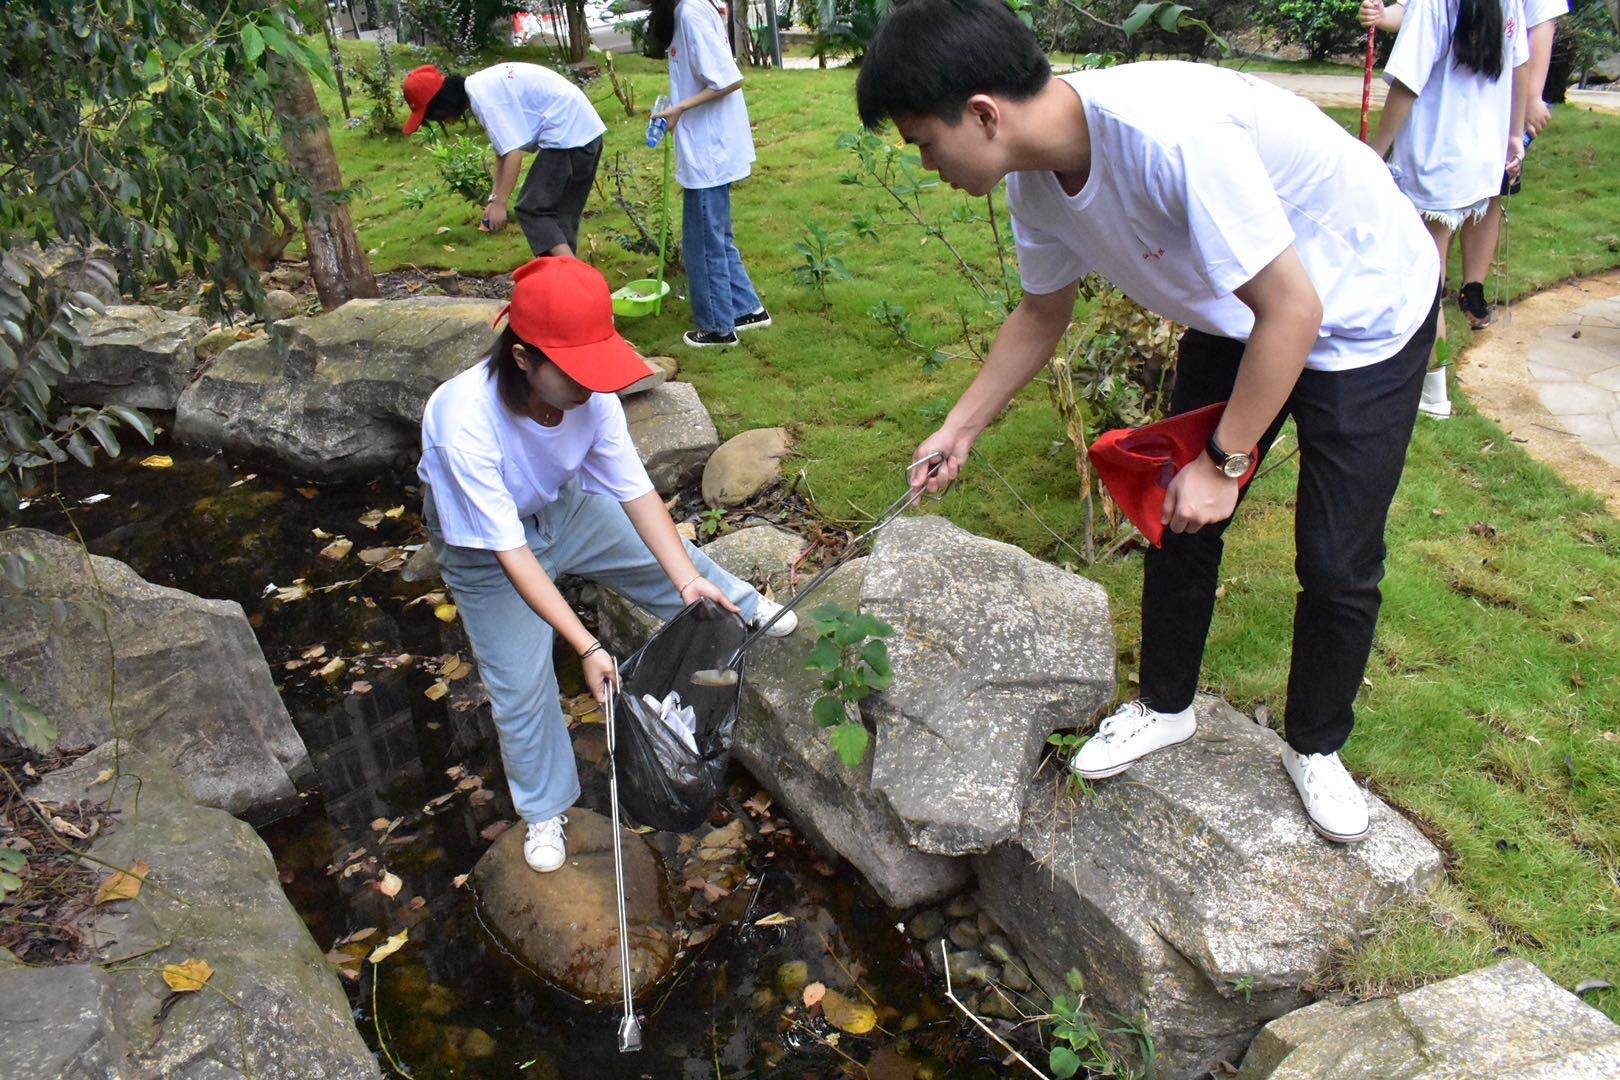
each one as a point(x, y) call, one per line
point(1154, 255)
point(1509, 28)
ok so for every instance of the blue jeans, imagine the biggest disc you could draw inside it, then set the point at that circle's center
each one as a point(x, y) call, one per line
point(587, 535)
point(717, 284)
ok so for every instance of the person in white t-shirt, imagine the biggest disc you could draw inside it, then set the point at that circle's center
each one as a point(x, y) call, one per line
point(1478, 236)
point(714, 148)
point(1308, 288)
point(523, 108)
point(529, 473)
point(1453, 121)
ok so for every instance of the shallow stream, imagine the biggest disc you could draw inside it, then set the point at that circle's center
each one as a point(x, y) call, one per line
point(409, 792)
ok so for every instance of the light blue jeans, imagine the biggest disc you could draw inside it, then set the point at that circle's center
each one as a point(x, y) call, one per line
point(717, 284)
point(586, 535)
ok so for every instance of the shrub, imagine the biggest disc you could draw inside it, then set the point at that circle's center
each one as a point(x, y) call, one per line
point(1323, 28)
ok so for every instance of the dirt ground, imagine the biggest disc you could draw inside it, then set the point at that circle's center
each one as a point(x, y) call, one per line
point(1494, 372)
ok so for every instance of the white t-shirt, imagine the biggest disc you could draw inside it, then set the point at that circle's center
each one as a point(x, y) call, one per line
point(1450, 152)
point(1200, 177)
point(1537, 12)
point(713, 143)
point(489, 468)
point(529, 107)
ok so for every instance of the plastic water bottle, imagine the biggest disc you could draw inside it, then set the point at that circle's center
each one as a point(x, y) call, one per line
point(658, 126)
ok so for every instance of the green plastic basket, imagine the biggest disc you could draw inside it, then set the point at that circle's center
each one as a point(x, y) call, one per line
point(643, 297)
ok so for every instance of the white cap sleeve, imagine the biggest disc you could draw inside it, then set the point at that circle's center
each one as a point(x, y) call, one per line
point(474, 507)
point(612, 467)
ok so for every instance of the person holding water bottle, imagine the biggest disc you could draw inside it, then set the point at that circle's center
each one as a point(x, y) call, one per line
point(714, 149)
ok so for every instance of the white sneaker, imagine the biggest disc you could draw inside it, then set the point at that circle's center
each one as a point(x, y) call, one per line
point(767, 611)
point(1332, 800)
point(544, 847)
point(1132, 733)
point(1435, 402)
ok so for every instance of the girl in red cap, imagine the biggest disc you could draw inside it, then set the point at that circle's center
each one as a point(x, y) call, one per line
point(529, 473)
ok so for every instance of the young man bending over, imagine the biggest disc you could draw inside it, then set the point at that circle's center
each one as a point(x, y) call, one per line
point(1306, 281)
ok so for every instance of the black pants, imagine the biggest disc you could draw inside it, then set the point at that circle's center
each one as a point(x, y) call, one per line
point(554, 193)
point(1354, 427)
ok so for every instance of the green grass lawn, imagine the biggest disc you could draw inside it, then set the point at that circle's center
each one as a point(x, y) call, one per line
point(1493, 701)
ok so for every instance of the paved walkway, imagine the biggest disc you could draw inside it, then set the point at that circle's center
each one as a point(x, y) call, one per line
point(1549, 374)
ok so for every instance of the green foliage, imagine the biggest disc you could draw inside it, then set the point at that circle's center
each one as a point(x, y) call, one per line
point(12, 864)
point(463, 28)
point(819, 265)
point(380, 82)
point(416, 196)
point(1077, 1039)
point(854, 661)
point(31, 727)
point(1323, 28)
point(711, 523)
point(842, 27)
point(1442, 354)
point(460, 160)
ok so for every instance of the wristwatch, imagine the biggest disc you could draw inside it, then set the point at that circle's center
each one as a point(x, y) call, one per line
point(1232, 466)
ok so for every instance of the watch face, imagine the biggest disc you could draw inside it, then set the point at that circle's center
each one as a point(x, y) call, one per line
point(1236, 465)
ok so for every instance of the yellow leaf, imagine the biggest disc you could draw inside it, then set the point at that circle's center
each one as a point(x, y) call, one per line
point(333, 668)
point(102, 777)
point(437, 690)
point(186, 977)
point(458, 670)
point(774, 919)
point(388, 948)
point(296, 591)
point(394, 513)
point(371, 518)
point(320, 534)
point(338, 548)
point(157, 461)
point(855, 1017)
point(445, 613)
point(121, 885)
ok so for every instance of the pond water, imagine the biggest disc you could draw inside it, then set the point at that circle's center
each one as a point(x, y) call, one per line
point(409, 787)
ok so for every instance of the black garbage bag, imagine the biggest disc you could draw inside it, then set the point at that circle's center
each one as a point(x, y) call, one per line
point(662, 783)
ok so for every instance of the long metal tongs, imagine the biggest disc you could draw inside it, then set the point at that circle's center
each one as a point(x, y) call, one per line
point(629, 1025)
point(726, 675)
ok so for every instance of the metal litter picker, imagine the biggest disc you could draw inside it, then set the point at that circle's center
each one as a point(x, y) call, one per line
point(629, 1026)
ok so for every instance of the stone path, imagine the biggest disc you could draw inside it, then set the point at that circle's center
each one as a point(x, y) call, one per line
point(1549, 374)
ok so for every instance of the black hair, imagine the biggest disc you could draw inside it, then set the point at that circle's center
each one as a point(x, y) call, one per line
point(510, 382)
point(450, 101)
point(929, 56)
point(660, 28)
point(1477, 41)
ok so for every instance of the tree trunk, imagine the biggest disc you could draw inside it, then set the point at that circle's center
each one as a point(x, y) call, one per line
point(579, 35)
point(337, 262)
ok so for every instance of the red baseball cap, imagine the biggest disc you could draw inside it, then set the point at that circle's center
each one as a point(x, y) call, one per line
point(1137, 464)
point(420, 85)
point(562, 306)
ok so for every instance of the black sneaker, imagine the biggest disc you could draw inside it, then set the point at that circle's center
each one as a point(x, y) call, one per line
point(757, 321)
point(703, 339)
point(1471, 298)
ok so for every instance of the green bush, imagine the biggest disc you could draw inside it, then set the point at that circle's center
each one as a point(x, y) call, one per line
point(461, 165)
point(1323, 28)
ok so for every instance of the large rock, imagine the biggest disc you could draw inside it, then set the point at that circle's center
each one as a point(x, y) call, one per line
point(272, 1008)
point(761, 554)
point(338, 394)
point(564, 924)
point(1193, 890)
point(993, 650)
point(192, 687)
point(673, 433)
point(135, 355)
point(1504, 1021)
point(834, 805)
point(744, 466)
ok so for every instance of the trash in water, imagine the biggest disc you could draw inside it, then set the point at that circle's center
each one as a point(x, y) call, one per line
point(678, 717)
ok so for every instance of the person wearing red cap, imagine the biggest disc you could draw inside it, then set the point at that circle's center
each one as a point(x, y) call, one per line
point(1309, 289)
point(529, 473)
point(522, 108)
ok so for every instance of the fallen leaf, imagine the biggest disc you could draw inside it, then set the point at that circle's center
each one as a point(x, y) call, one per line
point(417, 904)
point(855, 1017)
point(67, 828)
point(459, 670)
point(456, 772)
point(458, 881)
point(371, 518)
point(314, 652)
point(686, 531)
point(388, 948)
point(249, 476)
point(358, 935)
point(437, 690)
point(187, 977)
point(448, 247)
point(320, 534)
point(379, 824)
point(701, 935)
point(759, 803)
point(776, 918)
point(441, 230)
point(434, 598)
point(469, 783)
point(361, 687)
point(296, 591)
point(493, 830)
point(445, 613)
point(390, 884)
point(1484, 529)
point(813, 993)
point(481, 796)
point(394, 513)
point(157, 461)
point(375, 555)
point(308, 492)
point(123, 885)
point(102, 777)
point(337, 549)
point(333, 668)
